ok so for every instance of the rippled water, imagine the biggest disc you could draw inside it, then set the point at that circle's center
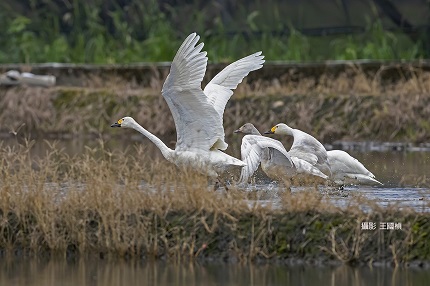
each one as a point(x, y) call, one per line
point(36, 272)
point(401, 198)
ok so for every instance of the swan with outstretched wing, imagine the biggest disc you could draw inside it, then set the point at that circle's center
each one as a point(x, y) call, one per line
point(275, 161)
point(198, 114)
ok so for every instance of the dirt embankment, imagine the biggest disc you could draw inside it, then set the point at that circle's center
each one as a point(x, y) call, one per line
point(367, 101)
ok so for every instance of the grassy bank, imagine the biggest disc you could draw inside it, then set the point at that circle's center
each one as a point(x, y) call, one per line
point(113, 205)
point(389, 103)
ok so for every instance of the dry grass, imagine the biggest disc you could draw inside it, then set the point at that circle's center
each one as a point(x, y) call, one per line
point(355, 80)
point(389, 104)
point(117, 205)
point(422, 181)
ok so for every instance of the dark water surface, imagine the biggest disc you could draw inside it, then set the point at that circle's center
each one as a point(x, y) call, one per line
point(85, 272)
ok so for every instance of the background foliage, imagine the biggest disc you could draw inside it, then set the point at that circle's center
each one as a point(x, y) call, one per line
point(124, 31)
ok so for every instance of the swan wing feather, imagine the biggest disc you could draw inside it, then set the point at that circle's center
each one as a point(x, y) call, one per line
point(196, 120)
point(251, 150)
point(220, 88)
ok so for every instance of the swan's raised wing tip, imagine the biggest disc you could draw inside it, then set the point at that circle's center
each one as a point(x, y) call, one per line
point(190, 38)
point(259, 59)
point(258, 55)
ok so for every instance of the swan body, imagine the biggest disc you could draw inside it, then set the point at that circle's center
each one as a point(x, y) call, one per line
point(212, 163)
point(198, 114)
point(344, 169)
point(348, 170)
point(304, 147)
point(275, 161)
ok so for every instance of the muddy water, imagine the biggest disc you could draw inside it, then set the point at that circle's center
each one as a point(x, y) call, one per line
point(36, 272)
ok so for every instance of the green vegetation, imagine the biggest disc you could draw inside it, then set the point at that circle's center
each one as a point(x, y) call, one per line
point(106, 32)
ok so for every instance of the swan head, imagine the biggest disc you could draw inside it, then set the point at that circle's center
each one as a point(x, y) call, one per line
point(126, 122)
point(281, 129)
point(247, 128)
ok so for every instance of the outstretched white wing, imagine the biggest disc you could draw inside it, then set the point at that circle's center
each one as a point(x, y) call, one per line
point(219, 89)
point(197, 122)
point(251, 152)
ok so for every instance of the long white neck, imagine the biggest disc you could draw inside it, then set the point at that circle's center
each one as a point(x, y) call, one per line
point(166, 151)
point(287, 130)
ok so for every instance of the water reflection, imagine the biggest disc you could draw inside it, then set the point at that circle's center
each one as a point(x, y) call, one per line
point(104, 273)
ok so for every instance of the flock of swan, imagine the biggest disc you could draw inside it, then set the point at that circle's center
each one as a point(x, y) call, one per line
point(198, 116)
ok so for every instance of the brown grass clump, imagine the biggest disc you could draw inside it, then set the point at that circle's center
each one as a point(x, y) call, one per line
point(94, 201)
point(122, 205)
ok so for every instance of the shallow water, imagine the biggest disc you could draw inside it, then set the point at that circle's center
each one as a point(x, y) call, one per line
point(391, 166)
point(36, 272)
point(405, 174)
point(417, 199)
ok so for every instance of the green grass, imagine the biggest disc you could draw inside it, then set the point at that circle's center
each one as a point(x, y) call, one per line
point(142, 32)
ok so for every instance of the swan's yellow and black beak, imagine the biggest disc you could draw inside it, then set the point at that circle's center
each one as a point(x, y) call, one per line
point(117, 124)
point(271, 131)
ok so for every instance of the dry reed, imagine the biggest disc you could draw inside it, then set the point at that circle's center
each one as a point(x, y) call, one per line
point(113, 204)
point(349, 105)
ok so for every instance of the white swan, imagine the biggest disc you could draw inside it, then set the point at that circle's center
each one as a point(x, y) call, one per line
point(275, 161)
point(304, 147)
point(348, 170)
point(198, 114)
point(344, 169)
